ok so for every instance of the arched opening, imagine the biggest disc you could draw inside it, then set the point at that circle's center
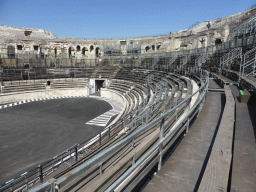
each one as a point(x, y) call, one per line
point(99, 84)
point(35, 47)
point(52, 65)
point(26, 66)
point(218, 41)
point(71, 50)
point(27, 32)
point(55, 50)
point(183, 44)
point(153, 47)
point(11, 51)
point(97, 51)
point(85, 51)
point(78, 48)
point(91, 48)
point(147, 48)
point(19, 47)
point(158, 47)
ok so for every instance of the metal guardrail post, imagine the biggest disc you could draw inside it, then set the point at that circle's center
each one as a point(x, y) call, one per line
point(189, 106)
point(100, 168)
point(133, 158)
point(26, 180)
point(161, 136)
point(100, 138)
point(40, 173)
point(124, 124)
point(201, 105)
point(52, 167)
point(76, 153)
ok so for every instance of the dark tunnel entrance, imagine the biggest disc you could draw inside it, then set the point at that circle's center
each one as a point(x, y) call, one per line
point(98, 84)
point(218, 41)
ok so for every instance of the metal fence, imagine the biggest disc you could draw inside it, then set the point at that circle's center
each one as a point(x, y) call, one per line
point(75, 153)
point(15, 60)
point(98, 158)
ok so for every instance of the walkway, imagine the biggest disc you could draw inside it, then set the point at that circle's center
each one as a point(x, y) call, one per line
point(244, 156)
point(183, 170)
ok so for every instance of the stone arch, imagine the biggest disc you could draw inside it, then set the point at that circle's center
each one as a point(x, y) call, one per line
point(71, 50)
point(91, 48)
point(78, 48)
point(97, 51)
point(218, 41)
point(85, 51)
point(158, 47)
point(19, 47)
point(147, 48)
point(26, 66)
point(153, 47)
point(11, 51)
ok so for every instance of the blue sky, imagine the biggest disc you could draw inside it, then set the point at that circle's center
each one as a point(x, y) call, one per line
point(104, 19)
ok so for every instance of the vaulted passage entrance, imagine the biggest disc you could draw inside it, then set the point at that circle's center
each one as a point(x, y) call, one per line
point(85, 51)
point(98, 84)
point(71, 50)
point(218, 41)
point(97, 51)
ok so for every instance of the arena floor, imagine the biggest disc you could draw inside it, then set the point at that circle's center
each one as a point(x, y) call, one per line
point(35, 132)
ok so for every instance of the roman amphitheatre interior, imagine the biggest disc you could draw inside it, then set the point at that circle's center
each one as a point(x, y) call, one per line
point(174, 111)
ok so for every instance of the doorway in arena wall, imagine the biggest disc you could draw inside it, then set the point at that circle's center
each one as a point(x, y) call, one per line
point(98, 84)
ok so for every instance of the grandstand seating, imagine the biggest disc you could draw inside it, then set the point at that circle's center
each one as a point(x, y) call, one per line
point(149, 86)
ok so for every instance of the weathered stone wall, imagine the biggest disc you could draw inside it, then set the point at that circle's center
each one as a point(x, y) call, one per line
point(44, 42)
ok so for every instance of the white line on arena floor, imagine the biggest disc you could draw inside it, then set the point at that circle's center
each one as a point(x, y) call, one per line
point(103, 119)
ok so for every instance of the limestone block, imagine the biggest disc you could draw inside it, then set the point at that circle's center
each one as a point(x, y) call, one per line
point(244, 96)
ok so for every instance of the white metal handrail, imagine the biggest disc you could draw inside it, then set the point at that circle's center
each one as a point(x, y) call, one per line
point(99, 157)
point(248, 59)
point(162, 138)
point(229, 57)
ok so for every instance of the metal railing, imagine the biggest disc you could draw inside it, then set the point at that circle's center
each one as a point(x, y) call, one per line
point(248, 27)
point(248, 62)
point(98, 158)
point(72, 155)
point(155, 61)
point(58, 61)
point(201, 59)
point(33, 176)
point(227, 59)
point(171, 60)
point(158, 147)
point(184, 60)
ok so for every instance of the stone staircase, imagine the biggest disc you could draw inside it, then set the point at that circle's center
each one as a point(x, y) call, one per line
point(112, 76)
point(94, 73)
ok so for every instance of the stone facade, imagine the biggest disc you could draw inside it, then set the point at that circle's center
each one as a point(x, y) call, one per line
point(14, 40)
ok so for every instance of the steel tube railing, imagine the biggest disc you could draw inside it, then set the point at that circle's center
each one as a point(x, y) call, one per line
point(99, 157)
point(155, 147)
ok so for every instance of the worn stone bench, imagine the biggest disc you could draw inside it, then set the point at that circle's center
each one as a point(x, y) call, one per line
point(244, 96)
point(216, 175)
